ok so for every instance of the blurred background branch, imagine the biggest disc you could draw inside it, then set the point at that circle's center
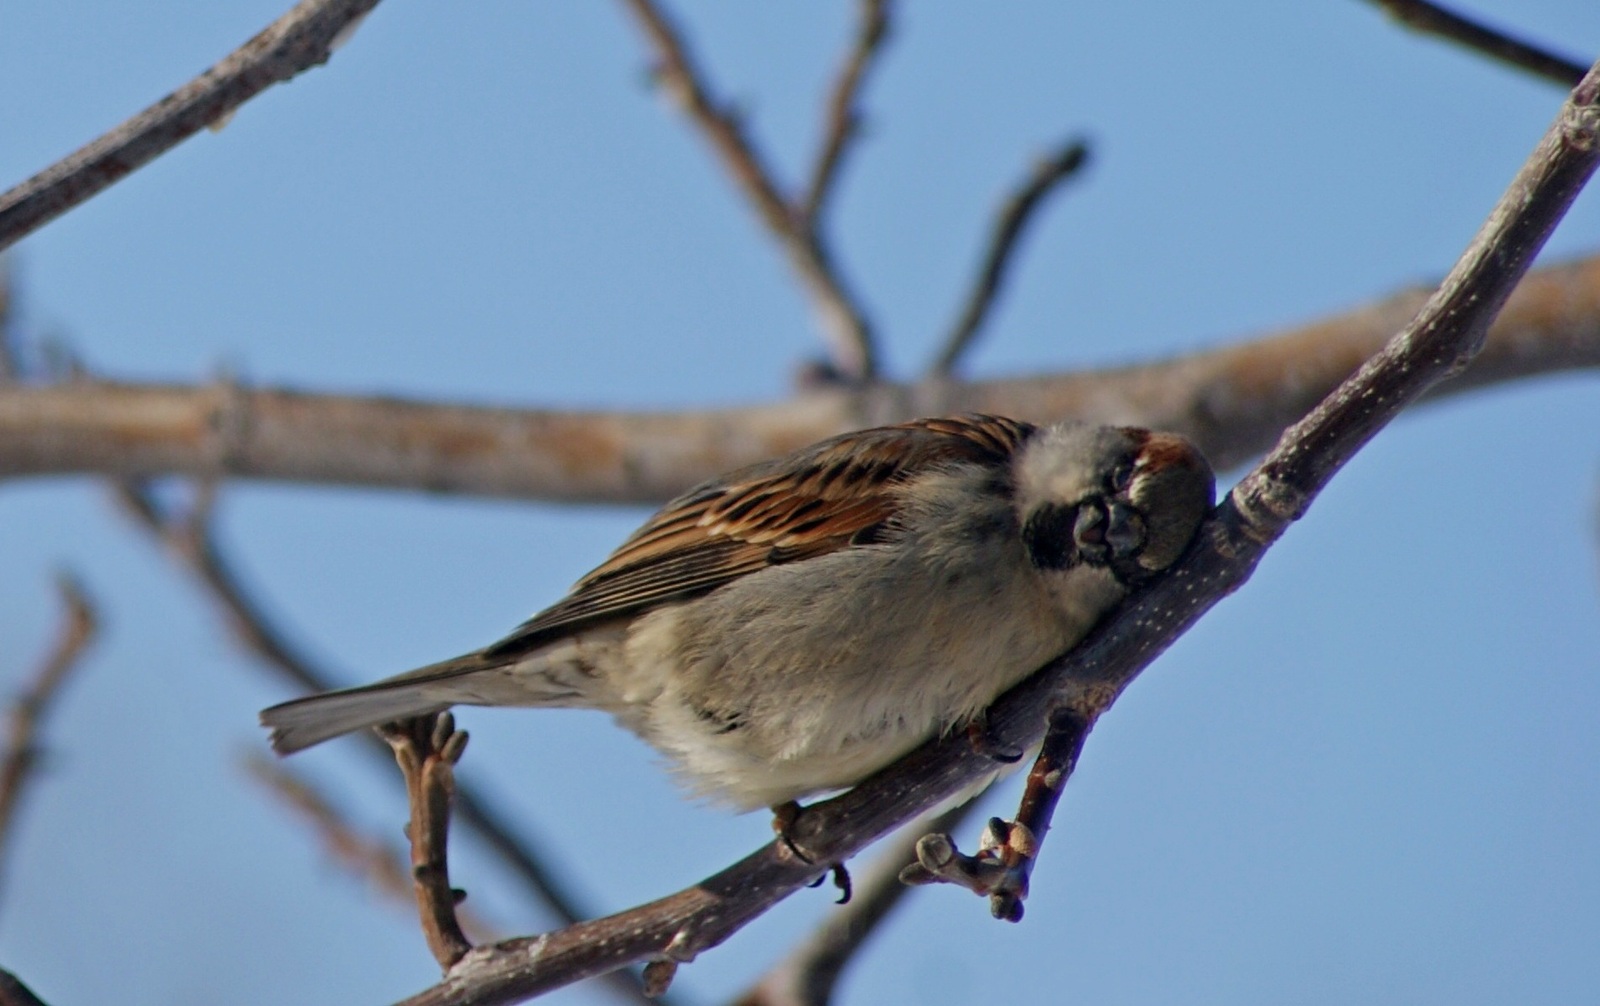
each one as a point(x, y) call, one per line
point(1232, 401)
point(25, 720)
point(1434, 19)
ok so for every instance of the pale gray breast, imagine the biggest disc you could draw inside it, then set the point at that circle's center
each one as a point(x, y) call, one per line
point(894, 640)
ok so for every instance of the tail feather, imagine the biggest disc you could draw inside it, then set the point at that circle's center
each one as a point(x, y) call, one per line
point(301, 723)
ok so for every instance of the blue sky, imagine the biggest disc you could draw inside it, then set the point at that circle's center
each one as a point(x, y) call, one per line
point(1371, 775)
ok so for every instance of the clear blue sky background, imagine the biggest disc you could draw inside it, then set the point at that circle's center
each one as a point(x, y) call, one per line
point(1373, 775)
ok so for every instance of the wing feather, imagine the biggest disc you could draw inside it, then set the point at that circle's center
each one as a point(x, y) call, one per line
point(838, 493)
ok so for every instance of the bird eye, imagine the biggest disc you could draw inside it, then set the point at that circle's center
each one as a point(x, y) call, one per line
point(1122, 475)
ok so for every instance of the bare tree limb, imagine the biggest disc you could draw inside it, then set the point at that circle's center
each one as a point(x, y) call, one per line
point(1435, 345)
point(304, 37)
point(1433, 19)
point(29, 710)
point(14, 993)
point(811, 971)
point(188, 538)
point(1015, 214)
point(1233, 402)
point(844, 118)
point(843, 320)
point(365, 856)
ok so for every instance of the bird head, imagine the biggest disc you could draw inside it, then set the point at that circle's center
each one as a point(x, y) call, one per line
point(1120, 498)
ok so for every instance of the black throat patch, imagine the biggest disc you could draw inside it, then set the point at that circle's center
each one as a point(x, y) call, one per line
point(1047, 535)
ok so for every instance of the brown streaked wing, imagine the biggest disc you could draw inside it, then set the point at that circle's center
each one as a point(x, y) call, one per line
point(815, 501)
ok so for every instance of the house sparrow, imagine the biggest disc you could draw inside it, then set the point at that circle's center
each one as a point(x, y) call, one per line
point(795, 625)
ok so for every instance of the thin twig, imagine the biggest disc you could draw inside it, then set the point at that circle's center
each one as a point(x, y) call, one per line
point(29, 710)
point(366, 856)
point(304, 37)
point(14, 993)
point(1233, 402)
point(427, 749)
point(1432, 19)
point(1015, 214)
point(811, 971)
point(189, 539)
point(843, 124)
point(844, 322)
point(1435, 345)
point(1006, 855)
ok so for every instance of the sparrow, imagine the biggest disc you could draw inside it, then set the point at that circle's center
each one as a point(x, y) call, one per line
point(793, 626)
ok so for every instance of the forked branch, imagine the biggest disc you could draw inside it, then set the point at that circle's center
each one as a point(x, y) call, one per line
point(1008, 850)
point(844, 322)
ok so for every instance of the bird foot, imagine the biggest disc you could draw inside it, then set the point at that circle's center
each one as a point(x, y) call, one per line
point(983, 742)
point(783, 818)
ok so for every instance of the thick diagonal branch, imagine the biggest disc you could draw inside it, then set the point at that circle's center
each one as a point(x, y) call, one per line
point(304, 37)
point(1435, 345)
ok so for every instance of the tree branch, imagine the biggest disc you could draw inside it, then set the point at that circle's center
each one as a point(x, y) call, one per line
point(1432, 19)
point(304, 37)
point(29, 710)
point(427, 749)
point(1233, 402)
point(1015, 214)
point(14, 993)
point(844, 119)
point(1439, 343)
point(843, 320)
point(189, 539)
point(1009, 849)
point(1435, 345)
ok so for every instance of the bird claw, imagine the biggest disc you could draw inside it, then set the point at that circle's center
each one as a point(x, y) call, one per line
point(983, 742)
point(783, 817)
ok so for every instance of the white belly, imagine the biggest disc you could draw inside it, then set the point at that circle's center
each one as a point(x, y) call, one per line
point(775, 687)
